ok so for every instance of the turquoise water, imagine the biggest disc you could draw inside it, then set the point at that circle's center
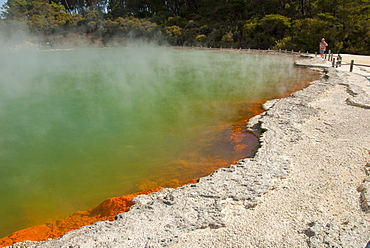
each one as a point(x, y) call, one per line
point(78, 127)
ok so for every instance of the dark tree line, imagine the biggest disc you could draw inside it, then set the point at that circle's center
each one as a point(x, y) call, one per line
point(286, 24)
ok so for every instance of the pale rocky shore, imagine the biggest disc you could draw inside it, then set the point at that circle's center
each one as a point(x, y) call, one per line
point(307, 186)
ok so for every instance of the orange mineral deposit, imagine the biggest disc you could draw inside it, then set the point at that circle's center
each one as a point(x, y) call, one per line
point(104, 211)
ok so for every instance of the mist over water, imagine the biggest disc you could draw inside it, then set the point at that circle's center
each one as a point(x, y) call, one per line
point(81, 126)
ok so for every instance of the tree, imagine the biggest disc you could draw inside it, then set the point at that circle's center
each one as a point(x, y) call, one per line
point(40, 16)
point(306, 35)
point(285, 24)
point(265, 32)
point(174, 34)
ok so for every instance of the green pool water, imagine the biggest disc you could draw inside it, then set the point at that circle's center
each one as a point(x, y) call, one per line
point(77, 127)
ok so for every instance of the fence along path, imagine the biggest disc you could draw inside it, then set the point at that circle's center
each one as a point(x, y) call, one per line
point(348, 59)
point(338, 60)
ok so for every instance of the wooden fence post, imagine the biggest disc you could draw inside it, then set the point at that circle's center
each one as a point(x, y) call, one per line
point(339, 63)
point(351, 67)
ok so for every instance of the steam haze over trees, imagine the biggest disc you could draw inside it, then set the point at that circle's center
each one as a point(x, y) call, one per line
point(276, 24)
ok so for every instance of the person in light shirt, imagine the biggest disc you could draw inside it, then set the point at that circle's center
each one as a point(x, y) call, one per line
point(323, 46)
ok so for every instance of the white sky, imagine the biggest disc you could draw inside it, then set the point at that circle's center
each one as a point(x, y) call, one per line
point(2, 3)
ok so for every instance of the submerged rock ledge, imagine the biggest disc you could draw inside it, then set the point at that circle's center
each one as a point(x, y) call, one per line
point(223, 209)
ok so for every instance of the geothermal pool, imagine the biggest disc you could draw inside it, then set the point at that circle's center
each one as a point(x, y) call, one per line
point(81, 126)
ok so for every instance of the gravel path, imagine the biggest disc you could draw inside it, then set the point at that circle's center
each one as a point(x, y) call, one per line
point(306, 187)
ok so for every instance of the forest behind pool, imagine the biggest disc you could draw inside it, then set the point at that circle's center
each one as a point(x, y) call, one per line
point(270, 24)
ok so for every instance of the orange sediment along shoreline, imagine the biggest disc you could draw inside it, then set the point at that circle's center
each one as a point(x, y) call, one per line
point(106, 210)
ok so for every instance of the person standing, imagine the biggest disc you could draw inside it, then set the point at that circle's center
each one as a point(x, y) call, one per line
point(323, 46)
